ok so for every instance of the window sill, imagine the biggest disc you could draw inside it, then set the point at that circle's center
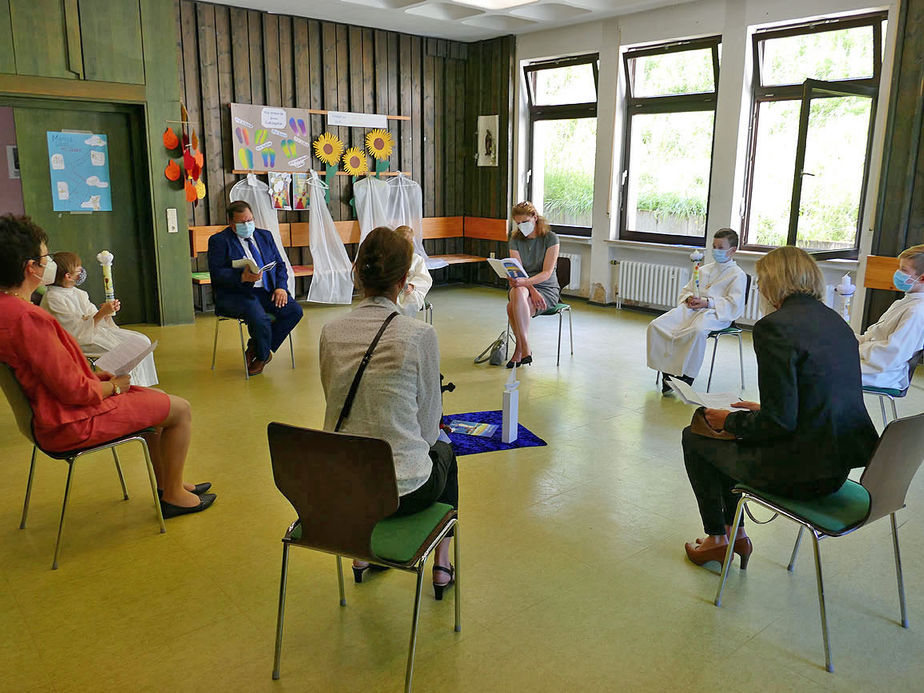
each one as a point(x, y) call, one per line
point(574, 240)
point(749, 255)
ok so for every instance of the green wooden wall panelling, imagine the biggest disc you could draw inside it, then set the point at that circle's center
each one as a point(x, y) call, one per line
point(7, 56)
point(110, 35)
point(47, 57)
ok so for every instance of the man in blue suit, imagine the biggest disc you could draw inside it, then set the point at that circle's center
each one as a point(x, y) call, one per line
point(239, 293)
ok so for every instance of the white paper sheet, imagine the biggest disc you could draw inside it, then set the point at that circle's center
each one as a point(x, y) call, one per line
point(688, 395)
point(123, 358)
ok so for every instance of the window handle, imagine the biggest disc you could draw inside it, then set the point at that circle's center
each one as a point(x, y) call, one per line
point(806, 173)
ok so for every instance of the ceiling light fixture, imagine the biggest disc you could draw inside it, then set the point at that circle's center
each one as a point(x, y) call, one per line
point(496, 4)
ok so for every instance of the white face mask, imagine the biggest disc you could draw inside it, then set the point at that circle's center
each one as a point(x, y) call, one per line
point(49, 272)
point(526, 227)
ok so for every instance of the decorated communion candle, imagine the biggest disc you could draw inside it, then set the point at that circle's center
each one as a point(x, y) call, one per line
point(105, 259)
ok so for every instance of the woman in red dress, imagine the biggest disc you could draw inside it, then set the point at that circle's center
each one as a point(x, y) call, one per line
point(72, 406)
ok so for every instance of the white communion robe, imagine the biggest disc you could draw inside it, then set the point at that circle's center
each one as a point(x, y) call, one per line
point(419, 276)
point(677, 339)
point(887, 346)
point(72, 308)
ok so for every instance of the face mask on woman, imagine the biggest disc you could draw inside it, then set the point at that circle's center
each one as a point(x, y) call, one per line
point(526, 227)
point(904, 282)
point(81, 276)
point(720, 255)
point(244, 229)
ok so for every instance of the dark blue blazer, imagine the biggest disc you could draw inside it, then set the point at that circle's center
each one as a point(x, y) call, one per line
point(225, 247)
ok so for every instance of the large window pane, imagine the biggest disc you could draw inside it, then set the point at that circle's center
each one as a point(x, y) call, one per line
point(562, 174)
point(832, 180)
point(685, 72)
point(828, 55)
point(670, 156)
point(563, 85)
point(774, 162)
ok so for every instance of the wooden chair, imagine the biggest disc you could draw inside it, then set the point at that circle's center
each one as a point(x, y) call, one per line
point(881, 491)
point(343, 489)
point(22, 410)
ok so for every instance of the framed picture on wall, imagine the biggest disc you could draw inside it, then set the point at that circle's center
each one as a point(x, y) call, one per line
point(487, 140)
point(12, 160)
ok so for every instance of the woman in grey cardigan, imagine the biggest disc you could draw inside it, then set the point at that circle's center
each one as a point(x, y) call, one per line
point(398, 399)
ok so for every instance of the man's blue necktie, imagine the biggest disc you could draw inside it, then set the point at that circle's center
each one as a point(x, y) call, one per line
point(267, 276)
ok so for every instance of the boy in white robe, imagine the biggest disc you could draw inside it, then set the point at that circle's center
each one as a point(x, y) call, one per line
point(888, 346)
point(677, 339)
point(94, 329)
point(414, 296)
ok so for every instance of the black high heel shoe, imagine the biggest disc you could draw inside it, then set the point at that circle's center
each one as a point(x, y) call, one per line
point(511, 363)
point(359, 572)
point(527, 360)
point(437, 588)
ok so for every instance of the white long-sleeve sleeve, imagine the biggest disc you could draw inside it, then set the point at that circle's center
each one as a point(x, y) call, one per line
point(72, 308)
point(724, 285)
point(887, 346)
point(420, 277)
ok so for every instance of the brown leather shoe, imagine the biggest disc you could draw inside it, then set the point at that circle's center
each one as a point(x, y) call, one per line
point(256, 367)
point(249, 355)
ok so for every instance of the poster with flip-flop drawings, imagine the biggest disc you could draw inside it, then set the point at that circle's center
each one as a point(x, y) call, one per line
point(268, 138)
point(79, 167)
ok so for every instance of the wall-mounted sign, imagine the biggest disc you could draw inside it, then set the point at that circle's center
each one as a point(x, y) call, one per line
point(79, 167)
point(356, 120)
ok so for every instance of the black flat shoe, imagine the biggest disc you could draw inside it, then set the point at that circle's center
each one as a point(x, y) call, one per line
point(170, 510)
point(359, 572)
point(199, 489)
point(437, 588)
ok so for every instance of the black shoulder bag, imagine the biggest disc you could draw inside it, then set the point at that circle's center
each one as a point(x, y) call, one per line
point(351, 395)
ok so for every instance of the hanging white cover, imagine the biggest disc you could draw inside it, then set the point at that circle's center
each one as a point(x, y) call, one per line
point(331, 281)
point(256, 193)
point(371, 199)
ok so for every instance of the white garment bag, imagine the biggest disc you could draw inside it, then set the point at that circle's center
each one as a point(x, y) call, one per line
point(405, 208)
point(256, 193)
point(331, 281)
point(371, 202)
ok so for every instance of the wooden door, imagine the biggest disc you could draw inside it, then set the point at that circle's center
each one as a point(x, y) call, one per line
point(126, 230)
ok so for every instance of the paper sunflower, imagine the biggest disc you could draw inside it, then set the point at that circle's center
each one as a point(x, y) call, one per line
point(355, 162)
point(379, 144)
point(328, 148)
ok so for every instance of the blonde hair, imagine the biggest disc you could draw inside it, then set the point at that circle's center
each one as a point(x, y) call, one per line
point(527, 209)
point(786, 271)
point(406, 231)
point(67, 262)
point(915, 255)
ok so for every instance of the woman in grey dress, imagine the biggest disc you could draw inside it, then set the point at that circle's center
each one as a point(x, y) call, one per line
point(535, 245)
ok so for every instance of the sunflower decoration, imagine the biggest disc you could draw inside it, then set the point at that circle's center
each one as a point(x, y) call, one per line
point(355, 162)
point(379, 144)
point(328, 148)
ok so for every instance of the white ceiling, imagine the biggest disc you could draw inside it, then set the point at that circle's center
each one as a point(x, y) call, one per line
point(455, 19)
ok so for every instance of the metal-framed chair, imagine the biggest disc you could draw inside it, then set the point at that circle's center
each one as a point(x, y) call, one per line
point(891, 394)
point(563, 272)
point(22, 410)
point(731, 331)
point(881, 491)
point(240, 326)
point(343, 489)
point(428, 312)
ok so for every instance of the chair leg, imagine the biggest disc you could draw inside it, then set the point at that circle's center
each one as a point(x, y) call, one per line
point(829, 666)
point(898, 572)
point(558, 352)
point(409, 674)
point(67, 493)
point(507, 338)
point(571, 331)
point(715, 346)
point(215, 342)
point(455, 547)
point(153, 479)
point(240, 329)
point(730, 552)
point(894, 408)
point(795, 549)
point(340, 581)
point(25, 505)
point(115, 456)
point(741, 360)
point(281, 612)
point(291, 351)
point(885, 421)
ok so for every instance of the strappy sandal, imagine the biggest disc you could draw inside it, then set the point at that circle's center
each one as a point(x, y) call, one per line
point(437, 588)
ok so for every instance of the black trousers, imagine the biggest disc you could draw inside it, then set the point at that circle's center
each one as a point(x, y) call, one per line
point(441, 487)
point(714, 467)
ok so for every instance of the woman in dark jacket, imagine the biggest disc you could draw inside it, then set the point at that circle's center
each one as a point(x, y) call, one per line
point(811, 426)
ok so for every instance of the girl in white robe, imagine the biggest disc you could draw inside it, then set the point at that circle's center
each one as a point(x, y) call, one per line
point(92, 327)
point(677, 339)
point(414, 296)
point(888, 346)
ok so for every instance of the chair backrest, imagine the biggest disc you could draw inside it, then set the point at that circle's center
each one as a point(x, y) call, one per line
point(747, 288)
point(563, 271)
point(893, 465)
point(913, 363)
point(340, 485)
point(19, 403)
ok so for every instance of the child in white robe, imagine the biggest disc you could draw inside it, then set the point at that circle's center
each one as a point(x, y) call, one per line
point(414, 296)
point(92, 327)
point(888, 346)
point(677, 339)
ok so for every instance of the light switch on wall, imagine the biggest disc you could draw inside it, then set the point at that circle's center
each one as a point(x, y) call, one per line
point(171, 220)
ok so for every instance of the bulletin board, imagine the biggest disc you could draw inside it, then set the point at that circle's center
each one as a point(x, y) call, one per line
point(79, 166)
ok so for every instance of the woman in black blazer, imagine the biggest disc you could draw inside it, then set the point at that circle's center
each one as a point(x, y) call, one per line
point(811, 426)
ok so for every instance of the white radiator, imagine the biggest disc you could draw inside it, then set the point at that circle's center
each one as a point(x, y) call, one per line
point(575, 283)
point(650, 284)
point(752, 310)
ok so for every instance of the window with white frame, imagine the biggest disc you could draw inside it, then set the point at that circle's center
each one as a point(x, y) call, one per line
point(671, 92)
point(562, 145)
point(815, 87)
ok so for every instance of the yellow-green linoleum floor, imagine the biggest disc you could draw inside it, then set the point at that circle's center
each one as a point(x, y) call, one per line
point(575, 577)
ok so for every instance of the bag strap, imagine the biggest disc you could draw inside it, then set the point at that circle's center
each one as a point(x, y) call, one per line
point(351, 395)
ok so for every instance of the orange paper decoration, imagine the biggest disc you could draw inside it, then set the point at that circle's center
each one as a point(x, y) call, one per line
point(190, 191)
point(171, 141)
point(173, 171)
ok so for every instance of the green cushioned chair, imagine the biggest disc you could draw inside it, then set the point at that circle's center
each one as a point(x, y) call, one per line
point(881, 491)
point(343, 489)
point(731, 331)
point(887, 393)
point(563, 272)
point(22, 410)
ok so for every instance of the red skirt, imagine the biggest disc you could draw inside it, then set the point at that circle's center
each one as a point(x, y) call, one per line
point(134, 410)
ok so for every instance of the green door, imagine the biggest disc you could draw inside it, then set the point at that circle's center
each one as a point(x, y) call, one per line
point(125, 231)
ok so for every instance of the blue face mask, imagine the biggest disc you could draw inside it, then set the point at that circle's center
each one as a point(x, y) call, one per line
point(244, 229)
point(720, 255)
point(81, 276)
point(904, 282)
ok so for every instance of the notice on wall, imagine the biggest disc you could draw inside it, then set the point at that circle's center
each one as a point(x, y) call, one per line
point(268, 138)
point(79, 167)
